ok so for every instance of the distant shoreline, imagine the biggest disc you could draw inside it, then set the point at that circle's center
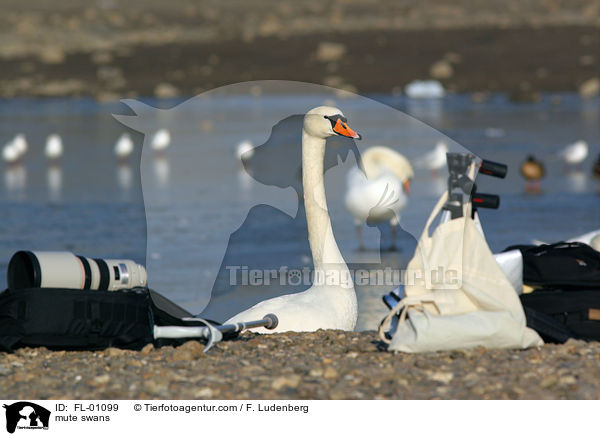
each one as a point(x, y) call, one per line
point(110, 50)
point(520, 62)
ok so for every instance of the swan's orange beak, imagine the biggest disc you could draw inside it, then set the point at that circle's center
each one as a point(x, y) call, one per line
point(343, 129)
point(406, 186)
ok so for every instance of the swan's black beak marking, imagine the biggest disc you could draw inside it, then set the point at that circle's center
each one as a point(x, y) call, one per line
point(340, 126)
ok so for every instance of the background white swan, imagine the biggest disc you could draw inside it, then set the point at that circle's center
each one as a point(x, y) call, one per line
point(380, 192)
point(123, 146)
point(331, 302)
point(54, 147)
point(435, 159)
point(574, 153)
point(587, 238)
point(161, 140)
point(244, 150)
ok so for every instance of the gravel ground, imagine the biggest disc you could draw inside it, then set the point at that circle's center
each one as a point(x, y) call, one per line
point(320, 365)
point(183, 47)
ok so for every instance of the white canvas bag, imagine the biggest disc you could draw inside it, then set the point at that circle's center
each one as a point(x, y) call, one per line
point(456, 294)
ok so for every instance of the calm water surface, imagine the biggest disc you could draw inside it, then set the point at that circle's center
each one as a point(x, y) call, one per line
point(206, 213)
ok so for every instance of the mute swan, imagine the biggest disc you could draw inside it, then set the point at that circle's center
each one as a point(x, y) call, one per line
point(331, 301)
point(382, 193)
point(161, 140)
point(574, 153)
point(124, 146)
point(435, 159)
point(244, 150)
point(54, 147)
point(533, 171)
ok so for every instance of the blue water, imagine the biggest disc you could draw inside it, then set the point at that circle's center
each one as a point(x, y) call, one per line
point(93, 206)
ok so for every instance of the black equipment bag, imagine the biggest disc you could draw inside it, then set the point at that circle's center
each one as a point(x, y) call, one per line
point(564, 265)
point(559, 315)
point(70, 319)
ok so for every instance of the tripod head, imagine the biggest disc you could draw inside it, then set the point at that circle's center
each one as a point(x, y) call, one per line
point(460, 183)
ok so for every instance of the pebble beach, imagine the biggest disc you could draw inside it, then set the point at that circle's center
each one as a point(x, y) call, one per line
point(323, 365)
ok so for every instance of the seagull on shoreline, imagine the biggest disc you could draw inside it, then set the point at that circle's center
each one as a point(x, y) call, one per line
point(10, 153)
point(20, 144)
point(161, 140)
point(574, 153)
point(123, 147)
point(54, 147)
point(244, 150)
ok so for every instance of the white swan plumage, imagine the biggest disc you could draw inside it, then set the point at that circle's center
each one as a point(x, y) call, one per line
point(54, 147)
point(380, 191)
point(123, 146)
point(331, 301)
point(161, 140)
point(574, 153)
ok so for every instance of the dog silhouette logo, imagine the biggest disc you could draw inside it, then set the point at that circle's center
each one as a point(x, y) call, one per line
point(26, 415)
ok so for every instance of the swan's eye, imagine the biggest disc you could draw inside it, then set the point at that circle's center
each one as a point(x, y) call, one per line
point(334, 119)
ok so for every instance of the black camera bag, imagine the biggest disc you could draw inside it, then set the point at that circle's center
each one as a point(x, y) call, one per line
point(564, 265)
point(559, 315)
point(69, 319)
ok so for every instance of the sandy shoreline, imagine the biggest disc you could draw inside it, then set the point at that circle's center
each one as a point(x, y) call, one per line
point(320, 365)
point(149, 48)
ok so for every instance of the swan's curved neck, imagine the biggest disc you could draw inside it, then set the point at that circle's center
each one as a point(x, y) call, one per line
point(325, 252)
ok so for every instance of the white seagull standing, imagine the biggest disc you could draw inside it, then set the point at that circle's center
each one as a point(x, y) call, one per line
point(161, 140)
point(331, 301)
point(20, 144)
point(54, 147)
point(244, 150)
point(123, 147)
point(380, 192)
point(10, 153)
point(575, 153)
point(435, 159)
